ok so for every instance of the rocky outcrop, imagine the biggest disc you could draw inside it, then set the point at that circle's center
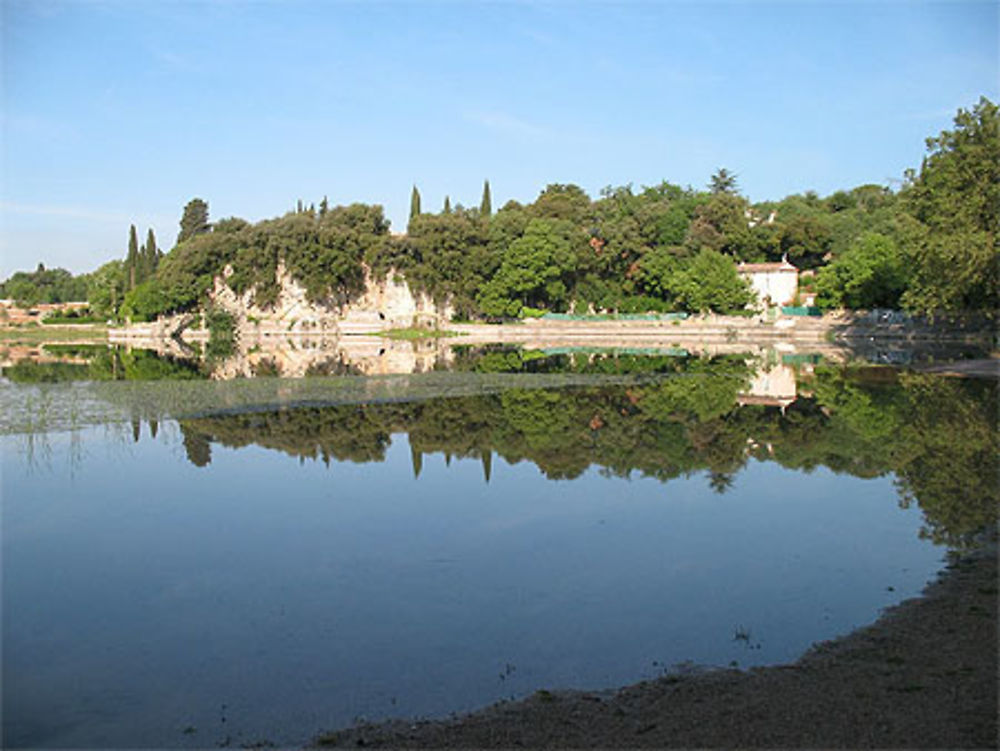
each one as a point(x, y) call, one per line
point(386, 303)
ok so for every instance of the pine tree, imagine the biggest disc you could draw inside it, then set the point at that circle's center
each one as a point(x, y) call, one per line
point(447, 205)
point(414, 203)
point(324, 206)
point(194, 221)
point(132, 271)
point(486, 206)
point(723, 181)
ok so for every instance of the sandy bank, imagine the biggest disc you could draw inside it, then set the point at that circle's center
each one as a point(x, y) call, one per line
point(923, 676)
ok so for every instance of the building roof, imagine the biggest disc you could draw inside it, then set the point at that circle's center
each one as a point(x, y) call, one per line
point(757, 268)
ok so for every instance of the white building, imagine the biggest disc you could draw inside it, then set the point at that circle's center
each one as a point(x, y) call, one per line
point(774, 283)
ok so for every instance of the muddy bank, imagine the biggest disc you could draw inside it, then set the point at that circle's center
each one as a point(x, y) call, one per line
point(923, 676)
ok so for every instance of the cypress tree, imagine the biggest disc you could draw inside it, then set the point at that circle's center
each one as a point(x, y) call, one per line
point(152, 253)
point(416, 459)
point(487, 459)
point(414, 203)
point(486, 206)
point(447, 205)
point(324, 206)
point(132, 259)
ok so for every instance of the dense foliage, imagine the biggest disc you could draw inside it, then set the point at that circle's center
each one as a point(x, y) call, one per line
point(930, 247)
point(44, 286)
point(956, 199)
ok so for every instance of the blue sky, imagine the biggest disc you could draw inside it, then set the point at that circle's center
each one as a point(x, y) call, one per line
point(119, 112)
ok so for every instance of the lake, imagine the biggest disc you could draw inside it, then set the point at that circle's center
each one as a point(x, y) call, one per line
point(191, 562)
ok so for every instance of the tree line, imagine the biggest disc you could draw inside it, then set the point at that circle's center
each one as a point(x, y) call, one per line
point(929, 247)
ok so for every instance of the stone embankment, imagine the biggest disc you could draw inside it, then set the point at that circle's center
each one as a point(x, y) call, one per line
point(544, 333)
point(366, 318)
point(794, 331)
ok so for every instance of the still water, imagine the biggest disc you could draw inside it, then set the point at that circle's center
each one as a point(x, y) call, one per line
point(264, 574)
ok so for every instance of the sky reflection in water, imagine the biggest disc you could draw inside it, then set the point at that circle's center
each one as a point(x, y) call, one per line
point(149, 601)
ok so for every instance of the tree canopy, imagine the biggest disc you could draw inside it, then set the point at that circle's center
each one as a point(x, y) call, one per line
point(44, 286)
point(930, 247)
point(194, 221)
point(956, 199)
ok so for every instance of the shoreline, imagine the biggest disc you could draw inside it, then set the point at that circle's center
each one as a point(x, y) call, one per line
point(924, 675)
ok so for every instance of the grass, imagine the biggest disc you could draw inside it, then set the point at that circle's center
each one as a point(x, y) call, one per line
point(59, 320)
point(53, 333)
point(416, 333)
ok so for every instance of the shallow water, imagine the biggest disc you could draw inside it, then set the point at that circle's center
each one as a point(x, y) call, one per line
point(256, 576)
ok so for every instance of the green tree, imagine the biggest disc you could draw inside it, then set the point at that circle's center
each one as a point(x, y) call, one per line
point(150, 255)
point(656, 273)
point(559, 201)
point(132, 259)
point(146, 301)
point(871, 274)
point(535, 271)
point(44, 286)
point(806, 239)
point(956, 197)
point(448, 256)
point(447, 205)
point(723, 181)
point(710, 281)
point(414, 203)
point(194, 221)
point(722, 223)
point(486, 205)
point(106, 288)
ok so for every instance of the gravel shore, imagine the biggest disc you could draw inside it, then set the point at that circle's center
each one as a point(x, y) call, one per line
point(923, 676)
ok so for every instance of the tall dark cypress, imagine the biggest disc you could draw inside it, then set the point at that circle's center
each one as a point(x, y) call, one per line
point(486, 206)
point(132, 271)
point(152, 254)
point(487, 458)
point(447, 205)
point(414, 203)
point(416, 459)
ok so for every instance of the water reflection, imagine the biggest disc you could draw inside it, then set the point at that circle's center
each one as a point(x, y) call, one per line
point(390, 555)
point(937, 436)
point(305, 356)
point(679, 413)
